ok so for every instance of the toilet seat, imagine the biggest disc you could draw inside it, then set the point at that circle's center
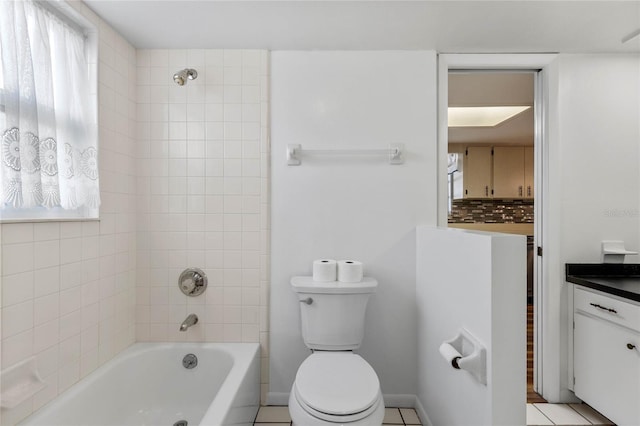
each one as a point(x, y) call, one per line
point(337, 386)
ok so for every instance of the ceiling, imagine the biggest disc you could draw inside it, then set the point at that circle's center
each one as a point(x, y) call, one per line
point(451, 26)
point(442, 25)
point(493, 89)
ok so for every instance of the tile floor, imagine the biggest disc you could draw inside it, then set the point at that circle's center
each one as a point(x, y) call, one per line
point(279, 416)
point(564, 414)
point(537, 415)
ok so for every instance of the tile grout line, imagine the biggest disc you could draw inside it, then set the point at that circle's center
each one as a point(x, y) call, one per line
point(541, 412)
point(402, 417)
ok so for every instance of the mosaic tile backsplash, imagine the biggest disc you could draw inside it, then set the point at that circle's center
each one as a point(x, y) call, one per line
point(491, 211)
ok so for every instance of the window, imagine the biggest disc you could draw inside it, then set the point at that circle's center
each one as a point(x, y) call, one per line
point(48, 136)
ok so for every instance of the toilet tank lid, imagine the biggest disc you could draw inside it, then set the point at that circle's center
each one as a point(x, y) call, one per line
point(308, 285)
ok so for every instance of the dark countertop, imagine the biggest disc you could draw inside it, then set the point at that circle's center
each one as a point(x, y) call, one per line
point(620, 279)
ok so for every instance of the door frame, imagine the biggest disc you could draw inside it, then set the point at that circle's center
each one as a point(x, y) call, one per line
point(502, 62)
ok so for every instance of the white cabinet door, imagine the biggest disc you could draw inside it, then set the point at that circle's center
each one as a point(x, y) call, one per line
point(607, 368)
point(508, 172)
point(477, 172)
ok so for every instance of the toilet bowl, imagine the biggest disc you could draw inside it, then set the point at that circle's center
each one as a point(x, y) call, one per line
point(333, 385)
point(336, 388)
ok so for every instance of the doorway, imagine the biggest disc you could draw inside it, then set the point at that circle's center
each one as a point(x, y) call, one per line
point(492, 132)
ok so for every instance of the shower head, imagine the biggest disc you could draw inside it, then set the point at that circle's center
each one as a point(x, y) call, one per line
point(182, 76)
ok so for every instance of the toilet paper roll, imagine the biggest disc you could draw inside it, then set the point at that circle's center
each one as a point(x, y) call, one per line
point(450, 354)
point(349, 271)
point(324, 270)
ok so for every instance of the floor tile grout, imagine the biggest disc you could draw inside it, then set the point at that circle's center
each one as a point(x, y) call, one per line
point(289, 422)
point(404, 421)
point(541, 412)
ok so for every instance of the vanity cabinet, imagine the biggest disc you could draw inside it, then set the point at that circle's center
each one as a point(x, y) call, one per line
point(606, 354)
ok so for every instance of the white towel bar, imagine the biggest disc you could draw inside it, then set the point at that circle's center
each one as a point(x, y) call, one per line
point(394, 153)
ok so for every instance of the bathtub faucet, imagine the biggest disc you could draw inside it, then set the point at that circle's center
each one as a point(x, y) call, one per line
point(192, 319)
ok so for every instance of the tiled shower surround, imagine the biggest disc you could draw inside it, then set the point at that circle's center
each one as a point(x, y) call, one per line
point(491, 211)
point(203, 199)
point(184, 183)
point(68, 288)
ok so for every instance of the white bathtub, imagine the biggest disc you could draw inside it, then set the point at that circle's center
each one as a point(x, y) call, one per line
point(147, 385)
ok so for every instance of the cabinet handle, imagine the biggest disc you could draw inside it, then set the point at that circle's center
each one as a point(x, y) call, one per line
point(520, 190)
point(595, 305)
point(529, 191)
point(631, 346)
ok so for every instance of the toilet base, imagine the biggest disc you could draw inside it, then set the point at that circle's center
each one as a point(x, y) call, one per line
point(300, 417)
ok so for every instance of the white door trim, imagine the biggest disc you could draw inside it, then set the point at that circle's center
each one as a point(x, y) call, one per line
point(539, 62)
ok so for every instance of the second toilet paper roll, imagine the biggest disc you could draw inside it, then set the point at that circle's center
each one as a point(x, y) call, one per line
point(324, 270)
point(349, 271)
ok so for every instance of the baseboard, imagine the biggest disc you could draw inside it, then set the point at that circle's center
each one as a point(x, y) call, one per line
point(399, 400)
point(277, 398)
point(422, 413)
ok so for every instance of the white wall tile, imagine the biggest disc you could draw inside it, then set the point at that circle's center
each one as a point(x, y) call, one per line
point(70, 250)
point(17, 288)
point(46, 281)
point(46, 231)
point(46, 335)
point(13, 233)
point(56, 261)
point(193, 209)
point(16, 348)
point(46, 309)
point(17, 318)
point(46, 254)
point(17, 258)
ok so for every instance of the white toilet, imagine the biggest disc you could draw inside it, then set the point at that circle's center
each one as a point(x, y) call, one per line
point(333, 385)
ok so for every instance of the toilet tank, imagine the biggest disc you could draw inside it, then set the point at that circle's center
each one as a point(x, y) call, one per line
point(332, 313)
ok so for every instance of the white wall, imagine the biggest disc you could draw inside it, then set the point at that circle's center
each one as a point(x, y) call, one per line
point(203, 194)
point(68, 288)
point(364, 209)
point(471, 280)
point(593, 184)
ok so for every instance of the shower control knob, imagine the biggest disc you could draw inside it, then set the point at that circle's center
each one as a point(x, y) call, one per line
point(192, 282)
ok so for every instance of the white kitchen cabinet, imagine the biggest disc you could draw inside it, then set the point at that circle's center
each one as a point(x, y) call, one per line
point(606, 355)
point(498, 172)
point(478, 172)
point(508, 172)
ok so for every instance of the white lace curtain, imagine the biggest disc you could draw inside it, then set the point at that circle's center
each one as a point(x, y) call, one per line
point(48, 156)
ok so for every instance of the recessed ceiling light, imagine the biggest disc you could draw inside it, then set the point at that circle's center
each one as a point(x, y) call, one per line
point(482, 116)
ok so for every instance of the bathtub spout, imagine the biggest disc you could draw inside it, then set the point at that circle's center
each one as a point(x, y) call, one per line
point(192, 319)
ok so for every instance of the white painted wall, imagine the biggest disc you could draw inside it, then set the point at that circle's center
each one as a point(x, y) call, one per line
point(471, 280)
point(352, 208)
point(593, 184)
